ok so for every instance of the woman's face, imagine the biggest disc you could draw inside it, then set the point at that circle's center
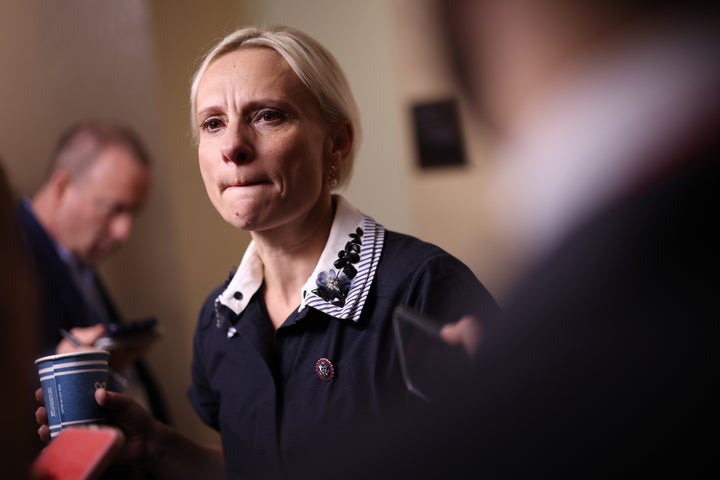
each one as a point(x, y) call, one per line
point(264, 148)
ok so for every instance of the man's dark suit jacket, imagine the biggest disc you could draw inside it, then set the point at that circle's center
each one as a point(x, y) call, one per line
point(62, 304)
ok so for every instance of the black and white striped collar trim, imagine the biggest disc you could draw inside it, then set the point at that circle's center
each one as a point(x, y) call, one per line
point(342, 278)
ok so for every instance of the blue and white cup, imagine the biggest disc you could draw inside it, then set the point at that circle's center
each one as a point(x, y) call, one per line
point(69, 382)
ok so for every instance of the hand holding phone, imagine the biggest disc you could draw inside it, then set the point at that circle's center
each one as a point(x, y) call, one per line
point(466, 332)
point(128, 342)
point(429, 364)
point(138, 334)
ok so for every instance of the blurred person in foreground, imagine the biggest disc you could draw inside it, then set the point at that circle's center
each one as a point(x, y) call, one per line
point(604, 360)
point(300, 338)
point(98, 181)
point(18, 343)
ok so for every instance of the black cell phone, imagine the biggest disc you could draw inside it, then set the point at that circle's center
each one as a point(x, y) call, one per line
point(136, 327)
point(135, 334)
point(429, 364)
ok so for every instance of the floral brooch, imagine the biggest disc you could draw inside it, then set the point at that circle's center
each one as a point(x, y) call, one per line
point(333, 286)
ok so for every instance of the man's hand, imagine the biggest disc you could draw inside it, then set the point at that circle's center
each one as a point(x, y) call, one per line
point(136, 423)
point(41, 417)
point(87, 336)
point(466, 332)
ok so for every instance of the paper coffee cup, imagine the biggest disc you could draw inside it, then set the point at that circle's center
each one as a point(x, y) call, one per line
point(69, 382)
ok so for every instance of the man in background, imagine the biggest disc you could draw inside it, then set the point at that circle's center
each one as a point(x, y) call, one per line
point(98, 181)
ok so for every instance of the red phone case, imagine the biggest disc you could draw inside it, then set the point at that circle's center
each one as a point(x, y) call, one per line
point(78, 453)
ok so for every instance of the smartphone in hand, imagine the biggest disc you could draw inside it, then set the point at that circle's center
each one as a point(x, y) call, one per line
point(429, 364)
point(136, 334)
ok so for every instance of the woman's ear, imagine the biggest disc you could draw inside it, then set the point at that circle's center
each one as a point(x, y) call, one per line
point(340, 141)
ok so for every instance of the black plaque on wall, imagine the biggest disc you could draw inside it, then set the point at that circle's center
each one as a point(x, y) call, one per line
point(438, 134)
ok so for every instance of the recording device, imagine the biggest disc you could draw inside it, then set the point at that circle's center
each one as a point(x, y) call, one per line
point(429, 364)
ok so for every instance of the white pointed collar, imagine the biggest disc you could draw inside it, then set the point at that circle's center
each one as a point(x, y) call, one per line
point(340, 283)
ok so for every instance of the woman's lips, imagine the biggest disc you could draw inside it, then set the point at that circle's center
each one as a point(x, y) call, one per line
point(243, 184)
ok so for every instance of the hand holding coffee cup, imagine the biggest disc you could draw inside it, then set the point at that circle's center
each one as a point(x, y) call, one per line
point(68, 383)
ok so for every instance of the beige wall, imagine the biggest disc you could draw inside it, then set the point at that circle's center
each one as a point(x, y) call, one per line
point(444, 203)
point(132, 60)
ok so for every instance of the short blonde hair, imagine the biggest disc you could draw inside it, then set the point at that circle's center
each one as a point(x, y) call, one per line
point(314, 65)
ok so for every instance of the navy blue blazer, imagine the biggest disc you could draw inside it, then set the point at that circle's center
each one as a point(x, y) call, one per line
point(62, 305)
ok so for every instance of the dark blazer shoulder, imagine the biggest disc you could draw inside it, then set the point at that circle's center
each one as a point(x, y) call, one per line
point(61, 303)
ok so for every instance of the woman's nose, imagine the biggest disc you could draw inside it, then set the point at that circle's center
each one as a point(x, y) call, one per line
point(236, 146)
